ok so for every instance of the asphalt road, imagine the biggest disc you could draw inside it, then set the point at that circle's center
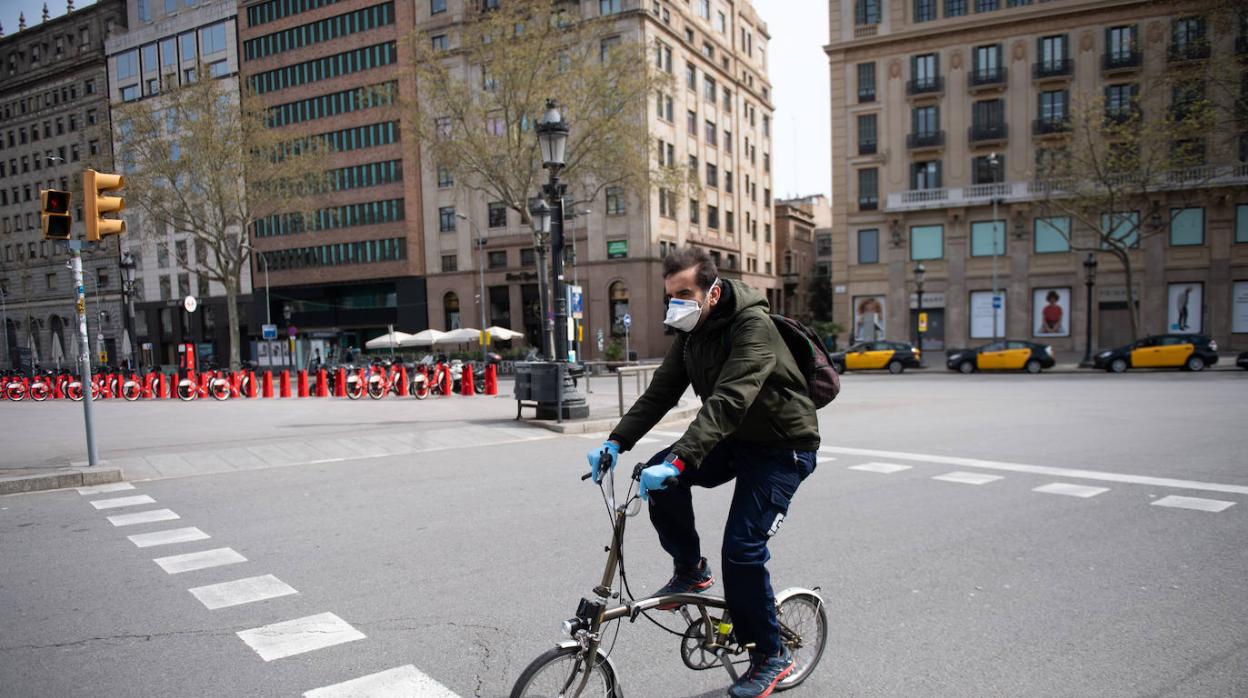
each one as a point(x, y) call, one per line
point(462, 560)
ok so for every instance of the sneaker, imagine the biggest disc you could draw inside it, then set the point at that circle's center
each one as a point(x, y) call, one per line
point(687, 581)
point(764, 673)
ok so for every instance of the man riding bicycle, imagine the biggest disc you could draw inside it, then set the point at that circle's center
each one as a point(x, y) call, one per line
point(757, 425)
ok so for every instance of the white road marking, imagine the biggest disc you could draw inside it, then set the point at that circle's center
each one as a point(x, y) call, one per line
point(102, 489)
point(401, 682)
point(189, 562)
point(646, 440)
point(968, 478)
point(1070, 490)
point(885, 468)
point(1197, 503)
point(175, 535)
point(241, 591)
point(122, 502)
point(668, 434)
point(292, 637)
point(142, 517)
point(1042, 470)
point(828, 459)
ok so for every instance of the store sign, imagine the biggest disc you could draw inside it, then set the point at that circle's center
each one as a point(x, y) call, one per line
point(930, 300)
point(617, 249)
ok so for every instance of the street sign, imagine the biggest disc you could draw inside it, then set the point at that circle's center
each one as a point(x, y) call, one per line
point(996, 302)
point(627, 320)
point(576, 302)
point(190, 304)
point(922, 322)
point(268, 331)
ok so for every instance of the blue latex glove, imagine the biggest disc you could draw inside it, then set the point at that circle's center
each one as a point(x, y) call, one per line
point(612, 449)
point(652, 478)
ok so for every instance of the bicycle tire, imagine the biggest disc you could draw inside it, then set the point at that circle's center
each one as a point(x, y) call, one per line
point(544, 677)
point(73, 391)
point(804, 614)
point(17, 392)
point(39, 392)
point(354, 391)
point(131, 391)
point(376, 389)
point(187, 391)
point(420, 391)
point(219, 389)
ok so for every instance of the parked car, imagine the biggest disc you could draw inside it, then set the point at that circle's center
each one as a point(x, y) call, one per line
point(895, 357)
point(1004, 355)
point(1190, 352)
point(1242, 361)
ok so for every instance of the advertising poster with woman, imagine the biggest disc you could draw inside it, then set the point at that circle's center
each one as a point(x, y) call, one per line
point(868, 318)
point(1050, 312)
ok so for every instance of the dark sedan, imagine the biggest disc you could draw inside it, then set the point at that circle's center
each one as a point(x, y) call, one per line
point(1005, 355)
point(1190, 352)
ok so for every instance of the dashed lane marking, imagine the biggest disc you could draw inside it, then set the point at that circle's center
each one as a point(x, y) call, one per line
point(1041, 470)
point(142, 517)
point(241, 591)
point(829, 459)
point(292, 637)
point(176, 564)
point(968, 478)
point(1196, 503)
point(885, 468)
point(401, 682)
point(122, 502)
point(1070, 490)
point(102, 489)
point(175, 535)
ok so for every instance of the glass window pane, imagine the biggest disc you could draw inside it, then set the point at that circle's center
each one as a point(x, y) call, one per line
point(1123, 226)
point(868, 246)
point(1241, 223)
point(927, 242)
point(984, 243)
point(1052, 235)
point(1187, 226)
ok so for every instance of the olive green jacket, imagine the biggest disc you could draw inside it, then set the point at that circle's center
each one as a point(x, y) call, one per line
point(749, 383)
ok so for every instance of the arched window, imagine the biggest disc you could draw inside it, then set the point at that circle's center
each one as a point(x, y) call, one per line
point(450, 309)
point(618, 295)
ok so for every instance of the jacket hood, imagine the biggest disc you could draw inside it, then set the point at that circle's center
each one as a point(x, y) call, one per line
point(736, 298)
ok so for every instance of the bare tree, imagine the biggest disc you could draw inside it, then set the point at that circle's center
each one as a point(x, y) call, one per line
point(482, 87)
point(201, 159)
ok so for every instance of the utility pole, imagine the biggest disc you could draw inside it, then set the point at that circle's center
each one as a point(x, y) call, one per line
point(996, 172)
point(84, 348)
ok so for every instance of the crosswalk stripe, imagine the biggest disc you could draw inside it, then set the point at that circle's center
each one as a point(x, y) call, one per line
point(175, 564)
point(142, 517)
point(1071, 490)
point(122, 502)
point(103, 489)
point(886, 468)
point(824, 459)
point(241, 591)
point(968, 478)
point(174, 535)
point(1195, 503)
point(401, 682)
point(291, 637)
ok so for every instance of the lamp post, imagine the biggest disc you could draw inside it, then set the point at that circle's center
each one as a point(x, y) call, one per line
point(539, 216)
point(920, 274)
point(995, 162)
point(4, 327)
point(1089, 279)
point(128, 264)
point(480, 244)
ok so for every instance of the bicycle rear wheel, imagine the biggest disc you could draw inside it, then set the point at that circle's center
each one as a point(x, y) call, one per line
point(557, 672)
point(804, 629)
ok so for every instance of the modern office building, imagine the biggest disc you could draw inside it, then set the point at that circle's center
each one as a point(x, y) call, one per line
point(718, 119)
point(54, 104)
point(940, 108)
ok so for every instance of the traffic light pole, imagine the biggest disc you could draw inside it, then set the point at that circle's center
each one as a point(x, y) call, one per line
point(84, 348)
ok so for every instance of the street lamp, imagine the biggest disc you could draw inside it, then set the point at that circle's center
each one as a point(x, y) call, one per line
point(539, 217)
point(128, 265)
point(995, 162)
point(552, 137)
point(1089, 278)
point(480, 243)
point(920, 274)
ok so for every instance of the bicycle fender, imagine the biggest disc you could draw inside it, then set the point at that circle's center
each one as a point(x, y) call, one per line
point(793, 591)
point(619, 692)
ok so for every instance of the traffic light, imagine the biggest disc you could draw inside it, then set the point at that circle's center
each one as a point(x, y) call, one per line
point(54, 214)
point(93, 184)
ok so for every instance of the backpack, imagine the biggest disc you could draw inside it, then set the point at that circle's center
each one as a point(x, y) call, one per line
point(813, 360)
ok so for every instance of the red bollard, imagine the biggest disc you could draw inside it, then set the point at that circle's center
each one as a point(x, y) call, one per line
point(340, 385)
point(466, 387)
point(303, 383)
point(448, 384)
point(403, 392)
point(268, 384)
point(147, 385)
point(251, 384)
point(105, 391)
point(162, 385)
point(491, 380)
point(322, 383)
point(284, 384)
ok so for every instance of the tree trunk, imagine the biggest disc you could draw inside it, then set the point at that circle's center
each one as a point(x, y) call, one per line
point(1132, 305)
point(231, 311)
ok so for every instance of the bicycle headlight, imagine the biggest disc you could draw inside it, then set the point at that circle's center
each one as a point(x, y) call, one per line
point(570, 627)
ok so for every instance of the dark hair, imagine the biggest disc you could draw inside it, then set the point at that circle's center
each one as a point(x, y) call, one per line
point(1053, 296)
point(684, 258)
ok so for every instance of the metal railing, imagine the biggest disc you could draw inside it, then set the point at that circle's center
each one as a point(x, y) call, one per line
point(925, 139)
point(1061, 67)
point(987, 132)
point(984, 77)
point(1121, 60)
point(925, 86)
point(1042, 127)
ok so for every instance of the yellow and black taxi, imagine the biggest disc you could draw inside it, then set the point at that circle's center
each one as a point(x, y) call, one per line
point(894, 357)
point(1190, 352)
point(1005, 355)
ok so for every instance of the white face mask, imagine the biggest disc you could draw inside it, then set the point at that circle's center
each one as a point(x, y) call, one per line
point(683, 315)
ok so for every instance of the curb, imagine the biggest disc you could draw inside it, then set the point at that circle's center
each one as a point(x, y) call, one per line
point(589, 426)
point(60, 479)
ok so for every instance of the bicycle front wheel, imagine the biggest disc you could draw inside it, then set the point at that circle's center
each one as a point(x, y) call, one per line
point(558, 672)
point(804, 629)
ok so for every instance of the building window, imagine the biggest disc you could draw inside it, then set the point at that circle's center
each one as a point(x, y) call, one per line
point(691, 76)
point(927, 242)
point(691, 124)
point(955, 8)
point(437, 7)
point(924, 10)
point(712, 217)
point(1121, 226)
point(127, 64)
point(866, 12)
point(712, 175)
point(987, 5)
point(439, 42)
point(445, 179)
point(1052, 235)
point(868, 246)
point(711, 135)
point(925, 175)
point(498, 259)
point(1187, 39)
point(987, 238)
point(868, 189)
point(694, 211)
point(446, 219)
point(925, 71)
point(497, 214)
point(212, 39)
point(615, 201)
point(1053, 106)
point(663, 57)
point(1120, 44)
point(1241, 223)
point(186, 44)
point(1053, 52)
point(866, 82)
point(985, 171)
point(1187, 227)
point(709, 88)
point(925, 122)
point(1120, 101)
point(988, 65)
point(867, 134)
point(450, 262)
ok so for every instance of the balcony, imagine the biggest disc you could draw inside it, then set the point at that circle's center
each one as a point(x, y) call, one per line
point(1121, 60)
point(867, 147)
point(863, 31)
point(925, 139)
point(1120, 117)
point(1045, 70)
point(868, 203)
point(925, 86)
point(988, 77)
point(1049, 126)
point(981, 133)
point(1193, 51)
point(866, 96)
